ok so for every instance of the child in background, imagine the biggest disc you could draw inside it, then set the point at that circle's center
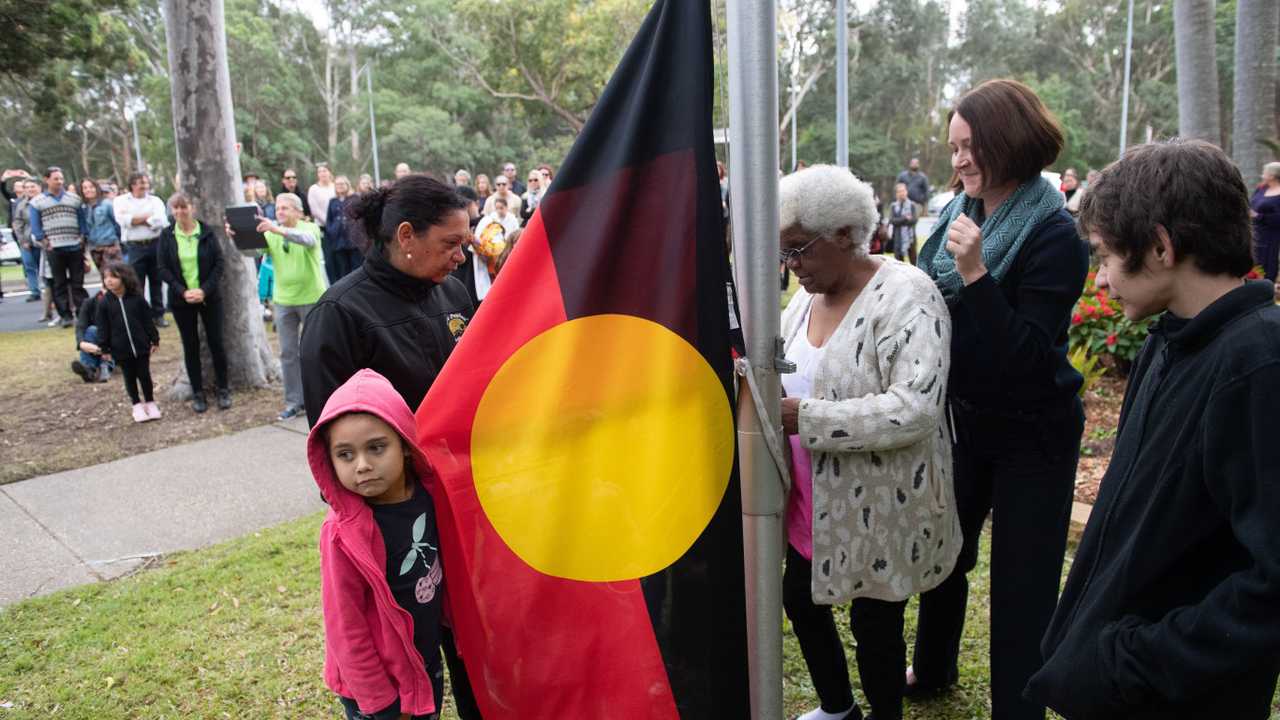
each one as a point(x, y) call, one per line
point(380, 573)
point(127, 332)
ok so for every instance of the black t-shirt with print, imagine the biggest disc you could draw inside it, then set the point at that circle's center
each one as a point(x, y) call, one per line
point(413, 567)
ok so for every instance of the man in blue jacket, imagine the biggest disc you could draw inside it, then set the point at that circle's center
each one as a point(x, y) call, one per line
point(1172, 607)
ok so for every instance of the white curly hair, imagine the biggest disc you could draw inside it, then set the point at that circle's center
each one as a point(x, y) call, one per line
point(825, 199)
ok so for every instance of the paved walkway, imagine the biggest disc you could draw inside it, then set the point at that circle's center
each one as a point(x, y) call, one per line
point(101, 522)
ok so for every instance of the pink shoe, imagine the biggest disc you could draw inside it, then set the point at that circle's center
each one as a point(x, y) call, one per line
point(140, 413)
point(153, 411)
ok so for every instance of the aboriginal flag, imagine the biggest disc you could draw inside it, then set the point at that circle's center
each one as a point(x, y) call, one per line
point(582, 430)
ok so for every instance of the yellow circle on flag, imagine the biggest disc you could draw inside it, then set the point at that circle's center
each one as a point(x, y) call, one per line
point(602, 448)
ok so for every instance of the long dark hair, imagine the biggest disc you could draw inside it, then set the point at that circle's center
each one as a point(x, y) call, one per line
point(127, 275)
point(417, 199)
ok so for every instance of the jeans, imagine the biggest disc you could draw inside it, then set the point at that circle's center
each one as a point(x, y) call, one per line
point(344, 262)
point(1022, 471)
point(185, 317)
point(289, 320)
point(144, 258)
point(31, 267)
point(90, 360)
point(67, 266)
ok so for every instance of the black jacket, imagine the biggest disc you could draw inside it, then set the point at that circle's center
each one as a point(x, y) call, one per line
point(1172, 607)
point(379, 318)
point(88, 314)
point(208, 261)
point(335, 227)
point(1009, 339)
point(125, 326)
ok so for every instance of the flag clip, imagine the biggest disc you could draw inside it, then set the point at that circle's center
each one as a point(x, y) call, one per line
point(781, 364)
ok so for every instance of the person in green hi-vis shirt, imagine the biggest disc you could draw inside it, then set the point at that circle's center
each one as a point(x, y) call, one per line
point(293, 245)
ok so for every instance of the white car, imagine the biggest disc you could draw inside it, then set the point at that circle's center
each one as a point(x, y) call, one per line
point(9, 252)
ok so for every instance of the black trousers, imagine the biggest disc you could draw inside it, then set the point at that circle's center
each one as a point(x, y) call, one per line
point(326, 250)
point(346, 261)
point(144, 258)
point(1022, 471)
point(210, 313)
point(136, 371)
point(67, 266)
point(877, 627)
point(459, 684)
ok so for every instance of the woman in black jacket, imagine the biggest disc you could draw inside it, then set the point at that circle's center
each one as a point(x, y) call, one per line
point(191, 265)
point(400, 313)
point(346, 256)
point(1010, 264)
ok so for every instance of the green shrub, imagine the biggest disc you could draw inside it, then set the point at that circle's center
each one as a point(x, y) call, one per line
point(1098, 325)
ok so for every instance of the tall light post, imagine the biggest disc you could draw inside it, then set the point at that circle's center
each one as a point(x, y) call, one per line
point(367, 69)
point(1124, 104)
point(842, 83)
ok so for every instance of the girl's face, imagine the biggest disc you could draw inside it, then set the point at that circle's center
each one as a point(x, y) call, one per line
point(88, 191)
point(113, 283)
point(324, 175)
point(369, 457)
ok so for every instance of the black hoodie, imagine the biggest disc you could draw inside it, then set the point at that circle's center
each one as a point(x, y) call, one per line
point(379, 318)
point(1172, 607)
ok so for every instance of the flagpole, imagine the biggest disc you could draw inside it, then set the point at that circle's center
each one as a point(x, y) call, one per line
point(842, 84)
point(1124, 104)
point(753, 179)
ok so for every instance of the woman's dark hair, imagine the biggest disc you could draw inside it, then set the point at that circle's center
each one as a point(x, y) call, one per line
point(1014, 136)
point(127, 275)
point(1191, 188)
point(417, 199)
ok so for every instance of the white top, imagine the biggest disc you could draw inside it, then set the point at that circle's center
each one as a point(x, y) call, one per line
point(126, 207)
point(318, 197)
point(799, 384)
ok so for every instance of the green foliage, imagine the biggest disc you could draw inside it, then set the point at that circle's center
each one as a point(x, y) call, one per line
point(1088, 366)
point(1100, 329)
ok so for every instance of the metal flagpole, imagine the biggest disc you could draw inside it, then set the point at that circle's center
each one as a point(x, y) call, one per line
point(753, 178)
point(137, 144)
point(1124, 104)
point(842, 83)
point(373, 125)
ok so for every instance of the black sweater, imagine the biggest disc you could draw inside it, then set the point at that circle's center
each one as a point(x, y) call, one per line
point(208, 262)
point(379, 318)
point(125, 326)
point(1009, 339)
point(1172, 607)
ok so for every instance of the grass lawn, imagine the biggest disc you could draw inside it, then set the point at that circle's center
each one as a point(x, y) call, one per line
point(235, 631)
point(51, 420)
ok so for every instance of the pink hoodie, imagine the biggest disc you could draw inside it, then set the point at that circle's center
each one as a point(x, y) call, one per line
point(369, 652)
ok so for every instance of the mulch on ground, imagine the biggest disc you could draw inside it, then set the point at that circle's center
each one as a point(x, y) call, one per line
point(53, 421)
point(1102, 415)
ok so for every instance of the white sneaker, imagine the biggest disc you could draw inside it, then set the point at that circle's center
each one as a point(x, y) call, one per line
point(140, 413)
point(152, 410)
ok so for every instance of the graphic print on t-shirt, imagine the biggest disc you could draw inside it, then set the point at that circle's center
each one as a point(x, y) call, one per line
point(425, 589)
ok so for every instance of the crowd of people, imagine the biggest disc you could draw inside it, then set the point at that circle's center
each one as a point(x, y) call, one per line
point(932, 392)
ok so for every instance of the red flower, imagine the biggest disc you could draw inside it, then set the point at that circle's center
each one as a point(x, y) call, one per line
point(1076, 319)
point(1111, 340)
point(1253, 275)
point(1108, 310)
point(1102, 296)
point(1090, 310)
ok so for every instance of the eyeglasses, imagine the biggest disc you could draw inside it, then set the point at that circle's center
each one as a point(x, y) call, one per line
point(788, 255)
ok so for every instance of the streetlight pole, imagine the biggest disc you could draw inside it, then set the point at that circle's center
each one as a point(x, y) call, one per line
point(1124, 104)
point(842, 83)
point(373, 124)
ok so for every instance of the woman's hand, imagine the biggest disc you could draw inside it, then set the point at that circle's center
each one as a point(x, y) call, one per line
point(89, 347)
point(790, 415)
point(265, 225)
point(193, 297)
point(226, 226)
point(964, 242)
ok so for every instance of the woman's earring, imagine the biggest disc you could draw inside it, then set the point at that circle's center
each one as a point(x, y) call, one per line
point(409, 255)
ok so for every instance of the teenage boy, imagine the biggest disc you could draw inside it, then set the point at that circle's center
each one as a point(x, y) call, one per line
point(1172, 607)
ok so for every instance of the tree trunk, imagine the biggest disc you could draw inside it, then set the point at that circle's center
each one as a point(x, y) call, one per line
point(354, 109)
point(1257, 25)
point(1198, 112)
point(204, 131)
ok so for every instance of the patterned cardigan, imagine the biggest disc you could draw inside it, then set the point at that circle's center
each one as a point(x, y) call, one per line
point(884, 517)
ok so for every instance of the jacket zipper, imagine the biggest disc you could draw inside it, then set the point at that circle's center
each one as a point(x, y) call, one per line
point(1133, 464)
point(128, 333)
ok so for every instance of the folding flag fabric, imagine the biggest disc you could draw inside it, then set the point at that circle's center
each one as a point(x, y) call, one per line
point(582, 430)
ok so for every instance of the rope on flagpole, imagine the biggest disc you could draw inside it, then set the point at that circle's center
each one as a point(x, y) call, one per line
point(772, 433)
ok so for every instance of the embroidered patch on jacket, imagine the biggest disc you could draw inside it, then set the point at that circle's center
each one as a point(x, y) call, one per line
point(457, 323)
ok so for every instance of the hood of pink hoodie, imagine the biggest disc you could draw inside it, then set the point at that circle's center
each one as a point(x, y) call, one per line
point(366, 392)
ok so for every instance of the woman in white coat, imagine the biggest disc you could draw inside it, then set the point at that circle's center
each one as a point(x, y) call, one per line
point(871, 519)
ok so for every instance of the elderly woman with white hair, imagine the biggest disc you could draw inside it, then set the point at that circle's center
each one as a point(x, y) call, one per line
point(871, 518)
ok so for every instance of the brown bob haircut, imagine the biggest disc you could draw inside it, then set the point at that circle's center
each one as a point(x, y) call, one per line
point(1014, 136)
point(1188, 187)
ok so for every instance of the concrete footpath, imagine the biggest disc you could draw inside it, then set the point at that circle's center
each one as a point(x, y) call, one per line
point(104, 521)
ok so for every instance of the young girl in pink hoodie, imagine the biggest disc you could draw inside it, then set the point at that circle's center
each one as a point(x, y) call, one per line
point(381, 580)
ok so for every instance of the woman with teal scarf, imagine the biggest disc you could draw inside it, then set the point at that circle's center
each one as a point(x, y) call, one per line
point(1010, 264)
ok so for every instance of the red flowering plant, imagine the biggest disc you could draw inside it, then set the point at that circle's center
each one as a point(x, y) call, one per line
point(1099, 326)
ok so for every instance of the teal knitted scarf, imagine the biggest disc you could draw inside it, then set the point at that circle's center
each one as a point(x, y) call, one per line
point(1003, 233)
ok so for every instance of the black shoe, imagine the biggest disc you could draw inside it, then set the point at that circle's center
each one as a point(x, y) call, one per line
point(33, 298)
point(85, 373)
point(162, 322)
point(224, 399)
point(199, 403)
